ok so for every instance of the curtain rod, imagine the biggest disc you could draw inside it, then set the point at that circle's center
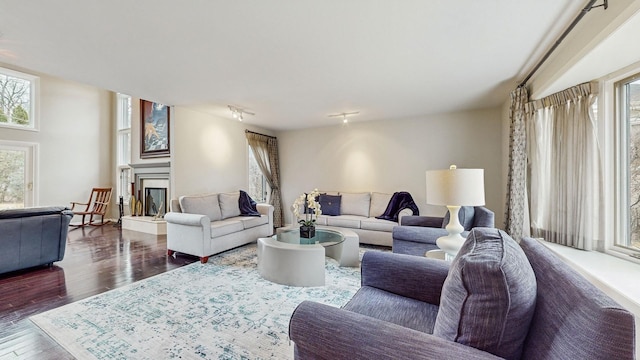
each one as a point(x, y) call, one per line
point(582, 13)
point(253, 132)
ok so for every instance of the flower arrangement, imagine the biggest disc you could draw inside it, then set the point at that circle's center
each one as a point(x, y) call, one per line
point(304, 202)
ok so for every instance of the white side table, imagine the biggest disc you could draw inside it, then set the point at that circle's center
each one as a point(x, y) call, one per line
point(439, 254)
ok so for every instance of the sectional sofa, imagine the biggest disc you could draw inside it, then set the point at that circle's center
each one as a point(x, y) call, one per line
point(207, 224)
point(358, 212)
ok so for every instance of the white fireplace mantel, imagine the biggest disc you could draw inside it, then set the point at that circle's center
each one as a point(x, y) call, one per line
point(151, 171)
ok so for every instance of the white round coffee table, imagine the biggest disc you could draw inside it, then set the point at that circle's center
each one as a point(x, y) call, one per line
point(287, 259)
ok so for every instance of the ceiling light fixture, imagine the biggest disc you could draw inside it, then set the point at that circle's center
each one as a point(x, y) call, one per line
point(344, 115)
point(238, 112)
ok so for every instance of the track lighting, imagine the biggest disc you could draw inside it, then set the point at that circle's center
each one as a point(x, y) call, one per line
point(238, 113)
point(344, 115)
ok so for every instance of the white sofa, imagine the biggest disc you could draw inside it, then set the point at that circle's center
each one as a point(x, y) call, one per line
point(204, 225)
point(358, 213)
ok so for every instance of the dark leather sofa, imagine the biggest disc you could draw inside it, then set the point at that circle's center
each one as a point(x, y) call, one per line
point(32, 237)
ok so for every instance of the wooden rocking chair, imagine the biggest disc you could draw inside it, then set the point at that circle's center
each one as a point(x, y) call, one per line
point(96, 206)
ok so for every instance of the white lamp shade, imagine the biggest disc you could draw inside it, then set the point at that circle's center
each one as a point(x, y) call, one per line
point(460, 187)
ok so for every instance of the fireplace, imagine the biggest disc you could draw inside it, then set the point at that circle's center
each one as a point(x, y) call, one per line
point(155, 201)
point(151, 183)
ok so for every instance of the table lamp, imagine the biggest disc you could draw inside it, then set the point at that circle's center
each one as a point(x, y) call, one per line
point(454, 188)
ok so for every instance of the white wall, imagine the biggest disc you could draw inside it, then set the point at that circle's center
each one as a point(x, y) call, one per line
point(209, 154)
point(393, 155)
point(75, 141)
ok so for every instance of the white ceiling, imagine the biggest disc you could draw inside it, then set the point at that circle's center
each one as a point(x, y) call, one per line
point(292, 62)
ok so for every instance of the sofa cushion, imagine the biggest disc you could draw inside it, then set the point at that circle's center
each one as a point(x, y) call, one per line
point(253, 221)
point(225, 227)
point(229, 204)
point(330, 204)
point(379, 203)
point(377, 224)
point(355, 204)
point(400, 310)
point(489, 296)
point(346, 221)
point(201, 204)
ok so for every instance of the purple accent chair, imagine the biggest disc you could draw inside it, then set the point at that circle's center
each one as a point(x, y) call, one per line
point(418, 234)
point(497, 299)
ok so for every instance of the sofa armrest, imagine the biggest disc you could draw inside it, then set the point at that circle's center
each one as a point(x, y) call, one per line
point(404, 213)
point(483, 217)
point(419, 234)
point(417, 220)
point(265, 209)
point(187, 219)
point(324, 332)
point(405, 275)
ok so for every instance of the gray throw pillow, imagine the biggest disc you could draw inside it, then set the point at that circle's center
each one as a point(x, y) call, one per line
point(201, 204)
point(489, 296)
point(229, 204)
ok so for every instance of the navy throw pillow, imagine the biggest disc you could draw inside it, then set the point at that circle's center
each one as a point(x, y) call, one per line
point(330, 204)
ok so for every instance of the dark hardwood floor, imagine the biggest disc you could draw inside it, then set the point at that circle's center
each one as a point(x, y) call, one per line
point(97, 259)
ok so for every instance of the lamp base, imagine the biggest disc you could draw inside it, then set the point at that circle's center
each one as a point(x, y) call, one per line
point(451, 243)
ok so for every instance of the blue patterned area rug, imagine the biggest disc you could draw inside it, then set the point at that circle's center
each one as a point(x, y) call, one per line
point(219, 310)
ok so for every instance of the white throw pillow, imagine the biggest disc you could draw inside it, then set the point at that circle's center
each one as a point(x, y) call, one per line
point(355, 204)
point(379, 203)
point(229, 204)
point(201, 204)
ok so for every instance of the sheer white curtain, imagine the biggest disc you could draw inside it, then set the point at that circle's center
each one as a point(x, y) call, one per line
point(563, 158)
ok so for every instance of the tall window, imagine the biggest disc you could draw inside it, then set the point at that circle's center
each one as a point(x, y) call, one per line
point(18, 92)
point(17, 174)
point(124, 146)
point(257, 182)
point(628, 170)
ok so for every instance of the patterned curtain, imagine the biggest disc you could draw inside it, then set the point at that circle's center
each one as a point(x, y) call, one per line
point(517, 214)
point(564, 161)
point(265, 150)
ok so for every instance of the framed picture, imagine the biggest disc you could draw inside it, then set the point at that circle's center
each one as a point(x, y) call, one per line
point(154, 129)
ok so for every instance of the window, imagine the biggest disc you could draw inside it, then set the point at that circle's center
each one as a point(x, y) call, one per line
point(18, 93)
point(17, 174)
point(123, 114)
point(257, 181)
point(628, 169)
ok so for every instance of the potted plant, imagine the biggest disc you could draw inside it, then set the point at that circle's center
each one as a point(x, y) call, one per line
point(311, 210)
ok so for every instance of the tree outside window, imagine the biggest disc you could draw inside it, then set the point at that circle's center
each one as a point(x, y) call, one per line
point(17, 98)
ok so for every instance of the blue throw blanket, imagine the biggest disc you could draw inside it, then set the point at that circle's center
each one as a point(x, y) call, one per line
point(399, 201)
point(247, 205)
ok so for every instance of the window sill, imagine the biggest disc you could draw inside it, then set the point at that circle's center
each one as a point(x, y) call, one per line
point(616, 277)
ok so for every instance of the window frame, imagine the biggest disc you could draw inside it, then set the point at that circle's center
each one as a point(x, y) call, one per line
point(265, 183)
point(610, 133)
point(623, 181)
point(34, 84)
point(123, 146)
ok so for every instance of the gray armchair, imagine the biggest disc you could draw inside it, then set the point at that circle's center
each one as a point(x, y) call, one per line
point(418, 234)
point(495, 300)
